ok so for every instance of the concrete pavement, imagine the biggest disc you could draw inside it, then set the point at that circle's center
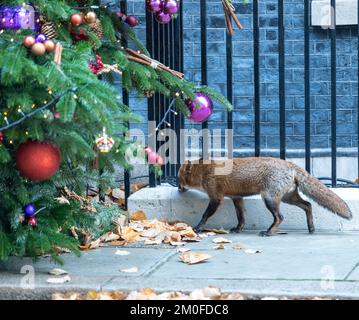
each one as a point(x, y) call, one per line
point(294, 264)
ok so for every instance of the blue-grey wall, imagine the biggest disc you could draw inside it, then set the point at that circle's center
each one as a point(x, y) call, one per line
point(243, 73)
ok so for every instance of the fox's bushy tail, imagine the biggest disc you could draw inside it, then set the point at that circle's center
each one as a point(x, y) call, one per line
point(317, 191)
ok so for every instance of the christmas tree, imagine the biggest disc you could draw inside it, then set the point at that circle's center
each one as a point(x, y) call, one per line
point(57, 62)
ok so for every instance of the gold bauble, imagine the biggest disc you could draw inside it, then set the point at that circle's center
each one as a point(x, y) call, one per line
point(91, 17)
point(29, 41)
point(38, 49)
point(49, 45)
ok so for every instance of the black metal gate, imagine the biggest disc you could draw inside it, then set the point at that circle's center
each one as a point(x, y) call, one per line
point(165, 43)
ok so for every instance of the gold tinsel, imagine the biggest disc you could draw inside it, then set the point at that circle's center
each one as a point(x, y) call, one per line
point(96, 28)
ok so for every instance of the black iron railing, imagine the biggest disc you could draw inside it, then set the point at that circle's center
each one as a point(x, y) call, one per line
point(165, 43)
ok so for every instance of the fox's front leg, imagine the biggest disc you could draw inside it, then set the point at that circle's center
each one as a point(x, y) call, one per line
point(239, 205)
point(211, 209)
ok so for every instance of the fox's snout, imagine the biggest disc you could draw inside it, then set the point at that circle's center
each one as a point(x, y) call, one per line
point(182, 188)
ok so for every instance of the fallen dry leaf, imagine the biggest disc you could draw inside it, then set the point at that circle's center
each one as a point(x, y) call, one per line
point(57, 272)
point(122, 253)
point(210, 234)
point(152, 242)
point(216, 231)
point(190, 257)
point(109, 236)
point(182, 250)
point(252, 251)
point(191, 239)
point(150, 233)
point(172, 236)
point(128, 234)
point(206, 294)
point(130, 270)
point(138, 216)
point(137, 226)
point(180, 226)
point(118, 243)
point(59, 280)
point(95, 244)
point(221, 240)
point(177, 243)
point(238, 246)
point(188, 233)
point(219, 247)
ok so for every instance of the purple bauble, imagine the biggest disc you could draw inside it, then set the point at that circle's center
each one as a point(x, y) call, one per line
point(171, 7)
point(40, 38)
point(163, 18)
point(155, 5)
point(29, 210)
point(203, 111)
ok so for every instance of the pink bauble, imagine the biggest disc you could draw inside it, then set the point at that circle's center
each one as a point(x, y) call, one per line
point(155, 5)
point(159, 160)
point(163, 18)
point(203, 111)
point(147, 150)
point(171, 7)
point(152, 157)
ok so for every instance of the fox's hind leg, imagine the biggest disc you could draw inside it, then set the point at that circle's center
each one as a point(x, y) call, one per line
point(295, 199)
point(239, 205)
point(273, 206)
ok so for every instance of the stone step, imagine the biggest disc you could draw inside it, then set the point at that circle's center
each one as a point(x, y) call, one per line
point(165, 202)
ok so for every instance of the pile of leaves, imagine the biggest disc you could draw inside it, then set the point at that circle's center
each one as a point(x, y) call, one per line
point(209, 293)
point(138, 229)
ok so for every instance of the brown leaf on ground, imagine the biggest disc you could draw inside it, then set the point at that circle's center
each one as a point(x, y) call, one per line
point(177, 243)
point(118, 243)
point(59, 280)
point(95, 244)
point(138, 216)
point(150, 233)
point(216, 231)
point(190, 257)
point(219, 247)
point(109, 236)
point(129, 235)
point(197, 239)
point(188, 233)
point(172, 236)
point(221, 240)
point(130, 270)
point(238, 246)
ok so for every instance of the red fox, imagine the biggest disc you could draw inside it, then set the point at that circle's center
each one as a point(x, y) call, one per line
point(274, 179)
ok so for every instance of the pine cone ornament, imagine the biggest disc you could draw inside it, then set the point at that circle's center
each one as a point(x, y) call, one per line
point(49, 30)
point(148, 93)
point(96, 28)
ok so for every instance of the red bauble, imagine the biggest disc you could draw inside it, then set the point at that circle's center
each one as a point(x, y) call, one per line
point(38, 161)
point(1, 137)
point(131, 21)
point(76, 19)
point(32, 221)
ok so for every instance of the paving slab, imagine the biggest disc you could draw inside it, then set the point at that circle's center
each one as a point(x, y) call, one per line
point(293, 264)
point(102, 262)
point(292, 256)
